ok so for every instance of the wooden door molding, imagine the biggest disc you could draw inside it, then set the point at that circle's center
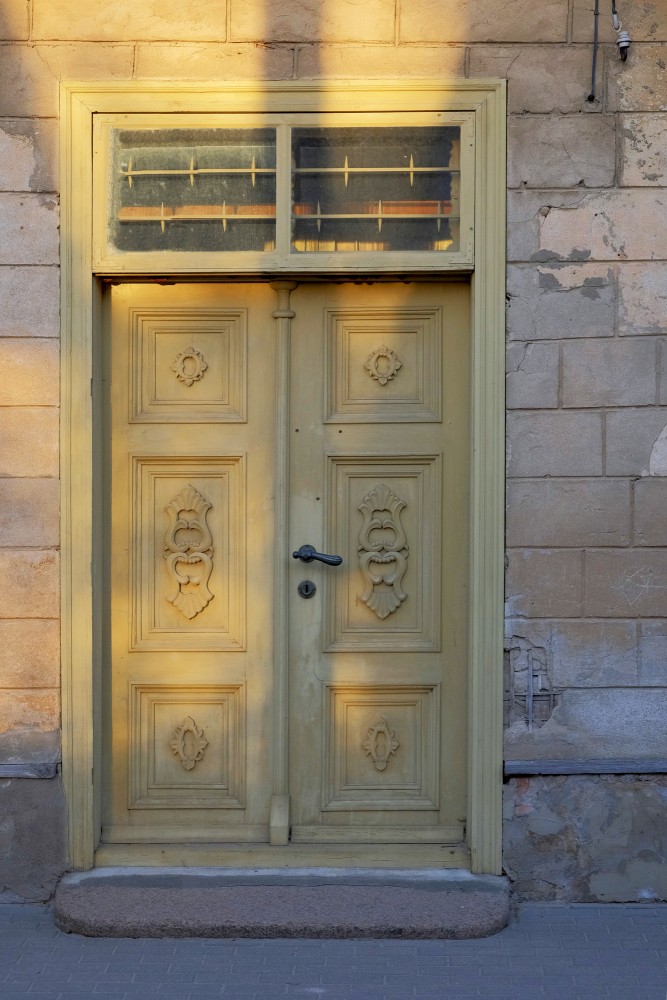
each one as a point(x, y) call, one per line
point(82, 317)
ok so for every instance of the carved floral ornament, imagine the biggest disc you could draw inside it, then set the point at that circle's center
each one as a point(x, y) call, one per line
point(383, 551)
point(188, 549)
point(190, 366)
point(381, 743)
point(383, 364)
point(188, 743)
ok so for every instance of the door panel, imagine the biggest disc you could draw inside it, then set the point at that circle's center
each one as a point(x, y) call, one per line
point(379, 476)
point(378, 473)
point(191, 401)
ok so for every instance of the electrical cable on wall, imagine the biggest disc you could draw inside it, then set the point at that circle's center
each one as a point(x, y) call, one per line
point(623, 40)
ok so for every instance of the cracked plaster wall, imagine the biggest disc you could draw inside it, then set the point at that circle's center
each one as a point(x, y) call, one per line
point(586, 319)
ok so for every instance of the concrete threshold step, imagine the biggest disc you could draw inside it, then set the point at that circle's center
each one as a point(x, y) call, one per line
point(281, 903)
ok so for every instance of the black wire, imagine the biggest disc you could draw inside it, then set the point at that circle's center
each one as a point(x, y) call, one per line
point(591, 96)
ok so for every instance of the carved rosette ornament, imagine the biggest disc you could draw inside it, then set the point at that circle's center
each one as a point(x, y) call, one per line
point(188, 743)
point(189, 366)
point(383, 551)
point(188, 548)
point(381, 743)
point(383, 364)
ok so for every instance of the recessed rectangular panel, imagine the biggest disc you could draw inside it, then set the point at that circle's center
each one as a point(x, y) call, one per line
point(385, 520)
point(382, 747)
point(188, 365)
point(188, 572)
point(188, 746)
point(384, 365)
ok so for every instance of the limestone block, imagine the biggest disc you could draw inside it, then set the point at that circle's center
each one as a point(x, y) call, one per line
point(568, 512)
point(29, 513)
point(630, 439)
point(29, 75)
point(605, 225)
point(544, 583)
point(643, 155)
point(653, 653)
point(28, 229)
point(642, 298)
point(30, 368)
point(38, 709)
point(14, 23)
point(554, 444)
point(213, 61)
point(29, 654)
point(33, 845)
point(561, 151)
point(406, 61)
point(560, 300)
point(526, 211)
point(27, 86)
point(626, 582)
point(31, 584)
point(28, 155)
point(586, 838)
point(30, 302)
point(662, 379)
point(28, 441)
point(483, 21)
point(31, 746)
point(646, 21)
point(591, 654)
point(532, 376)
point(640, 84)
point(110, 20)
point(610, 372)
point(312, 21)
point(541, 79)
point(88, 61)
point(592, 723)
point(650, 523)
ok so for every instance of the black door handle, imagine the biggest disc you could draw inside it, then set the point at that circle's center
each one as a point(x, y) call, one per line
point(307, 553)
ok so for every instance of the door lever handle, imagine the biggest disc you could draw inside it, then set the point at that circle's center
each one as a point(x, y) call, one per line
point(307, 554)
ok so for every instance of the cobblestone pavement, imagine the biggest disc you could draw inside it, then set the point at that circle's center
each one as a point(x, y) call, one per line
point(560, 952)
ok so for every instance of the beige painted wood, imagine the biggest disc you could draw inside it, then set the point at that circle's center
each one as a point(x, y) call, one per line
point(292, 856)
point(380, 474)
point(190, 670)
point(82, 593)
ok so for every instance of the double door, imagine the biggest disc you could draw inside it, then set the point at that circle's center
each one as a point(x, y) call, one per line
point(252, 697)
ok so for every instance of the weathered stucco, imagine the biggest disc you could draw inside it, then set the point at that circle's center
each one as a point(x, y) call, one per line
point(33, 850)
point(586, 838)
point(587, 369)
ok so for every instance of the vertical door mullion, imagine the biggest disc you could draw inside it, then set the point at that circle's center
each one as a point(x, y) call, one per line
point(283, 191)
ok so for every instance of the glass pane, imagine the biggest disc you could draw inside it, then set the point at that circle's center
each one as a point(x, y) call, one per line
point(375, 189)
point(193, 189)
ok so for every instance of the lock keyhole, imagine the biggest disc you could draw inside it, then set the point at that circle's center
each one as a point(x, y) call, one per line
point(307, 588)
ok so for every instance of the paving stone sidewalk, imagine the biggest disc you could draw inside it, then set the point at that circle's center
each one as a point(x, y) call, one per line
point(558, 952)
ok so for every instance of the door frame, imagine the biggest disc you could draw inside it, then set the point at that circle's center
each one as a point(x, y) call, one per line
point(82, 592)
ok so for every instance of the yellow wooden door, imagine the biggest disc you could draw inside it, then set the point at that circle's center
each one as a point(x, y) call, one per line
point(374, 460)
point(379, 464)
point(191, 550)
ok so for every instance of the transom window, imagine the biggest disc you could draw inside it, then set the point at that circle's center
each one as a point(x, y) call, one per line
point(286, 195)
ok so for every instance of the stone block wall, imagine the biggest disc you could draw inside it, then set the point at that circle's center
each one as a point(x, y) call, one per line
point(587, 343)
